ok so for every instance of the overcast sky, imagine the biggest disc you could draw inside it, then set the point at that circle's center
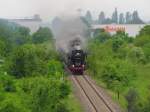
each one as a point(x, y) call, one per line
point(50, 8)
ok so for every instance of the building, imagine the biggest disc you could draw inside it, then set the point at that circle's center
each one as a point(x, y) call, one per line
point(131, 29)
point(33, 23)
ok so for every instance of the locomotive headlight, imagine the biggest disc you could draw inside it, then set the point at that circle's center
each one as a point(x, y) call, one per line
point(72, 65)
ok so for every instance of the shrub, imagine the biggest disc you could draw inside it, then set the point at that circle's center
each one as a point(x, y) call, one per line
point(42, 35)
point(142, 40)
point(145, 30)
point(136, 55)
point(132, 98)
point(46, 94)
point(118, 70)
point(103, 36)
point(7, 82)
point(116, 44)
point(28, 60)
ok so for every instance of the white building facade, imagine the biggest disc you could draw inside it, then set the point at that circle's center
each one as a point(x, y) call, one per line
point(131, 29)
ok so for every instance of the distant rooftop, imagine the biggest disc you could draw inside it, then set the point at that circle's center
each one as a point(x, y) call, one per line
point(28, 19)
point(33, 23)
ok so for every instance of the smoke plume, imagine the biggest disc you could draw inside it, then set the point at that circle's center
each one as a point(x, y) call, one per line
point(69, 28)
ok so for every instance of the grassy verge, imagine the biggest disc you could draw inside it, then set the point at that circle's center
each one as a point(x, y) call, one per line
point(141, 84)
point(121, 101)
point(73, 104)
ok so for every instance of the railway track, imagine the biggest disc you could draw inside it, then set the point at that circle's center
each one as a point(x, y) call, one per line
point(95, 100)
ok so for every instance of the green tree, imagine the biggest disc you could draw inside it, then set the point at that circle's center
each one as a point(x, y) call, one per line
point(108, 21)
point(13, 103)
point(22, 36)
point(2, 48)
point(116, 44)
point(115, 16)
point(128, 17)
point(136, 54)
point(24, 31)
point(102, 36)
point(145, 30)
point(101, 19)
point(146, 107)
point(13, 33)
point(142, 40)
point(88, 17)
point(45, 94)
point(146, 50)
point(42, 35)
point(9, 108)
point(132, 98)
point(55, 68)
point(118, 74)
point(28, 60)
point(121, 19)
point(7, 82)
point(136, 19)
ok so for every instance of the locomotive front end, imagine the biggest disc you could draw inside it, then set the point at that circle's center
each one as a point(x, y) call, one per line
point(76, 58)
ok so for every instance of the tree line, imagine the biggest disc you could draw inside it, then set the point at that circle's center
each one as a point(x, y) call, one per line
point(32, 78)
point(127, 18)
point(121, 64)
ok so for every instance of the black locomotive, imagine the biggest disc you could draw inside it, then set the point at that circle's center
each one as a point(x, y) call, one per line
point(76, 57)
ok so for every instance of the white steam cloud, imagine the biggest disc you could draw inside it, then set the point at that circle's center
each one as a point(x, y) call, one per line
point(69, 28)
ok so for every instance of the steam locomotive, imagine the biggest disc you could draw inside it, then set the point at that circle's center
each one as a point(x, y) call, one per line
point(76, 57)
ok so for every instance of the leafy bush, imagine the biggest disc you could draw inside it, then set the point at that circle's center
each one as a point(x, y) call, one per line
point(45, 94)
point(118, 75)
point(108, 66)
point(124, 36)
point(121, 63)
point(136, 55)
point(132, 97)
point(145, 31)
point(42, 35)
point(7, 83)
point(46, 90)
point(55, 68)
point(116, 44)
point(2, 48)
point(13, 103)
point(103, 36)
point(9, 108)
point(28, 60)
point(146, 50)
point(142, 40)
